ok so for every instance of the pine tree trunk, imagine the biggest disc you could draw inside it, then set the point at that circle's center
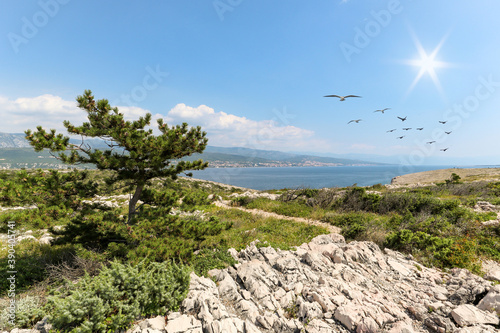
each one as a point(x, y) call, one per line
point(133, 201)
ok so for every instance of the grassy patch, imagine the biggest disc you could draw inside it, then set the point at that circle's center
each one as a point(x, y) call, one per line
point(31, 262)
point(282, 208)
point(246, 228)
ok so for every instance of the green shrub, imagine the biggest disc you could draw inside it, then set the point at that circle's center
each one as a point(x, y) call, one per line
point(241, 201)
point(26, 313)
point(356, 199)
point(51, 188)
point(160, 237)
point(309, 192)
point(195, 198)
point(352, 224)
point(153, 233)
point(454, 179)
point(487, 241)
point(442, 252)
point(119, 295)
point(42, 217)
point(207, 259)
point(163, 197)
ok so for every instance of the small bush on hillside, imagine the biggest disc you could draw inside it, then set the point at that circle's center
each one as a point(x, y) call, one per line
point(42, 217)
point(207, 259)
point(52, 188)
point(153, 232)
point(26, 313)
point(241, 201)
point(164, 197)
point(119, 295)
point(195, 198)
point(356, 199)
point(325, 198)
point(442, 252)
point(352, 224)
point(454, 179)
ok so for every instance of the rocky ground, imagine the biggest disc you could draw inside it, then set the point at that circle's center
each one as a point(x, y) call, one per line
point(329, 285)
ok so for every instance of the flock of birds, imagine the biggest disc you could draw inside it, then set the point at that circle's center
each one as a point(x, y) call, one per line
point(342, 98)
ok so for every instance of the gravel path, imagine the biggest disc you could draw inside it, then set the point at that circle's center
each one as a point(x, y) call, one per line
point(263, 213)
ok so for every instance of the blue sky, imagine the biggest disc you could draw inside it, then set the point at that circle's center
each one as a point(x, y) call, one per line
point(254, 73)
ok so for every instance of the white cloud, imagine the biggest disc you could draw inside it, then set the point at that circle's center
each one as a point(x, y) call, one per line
point(134, 112)
point(49, 111)
point(225, 129)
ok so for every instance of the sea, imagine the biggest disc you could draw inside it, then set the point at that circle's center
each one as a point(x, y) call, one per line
point(268, 178)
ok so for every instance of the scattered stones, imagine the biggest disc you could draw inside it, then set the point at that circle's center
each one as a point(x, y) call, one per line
point(46, 237)
point(485, 206)
point(468, 315)
point(328, 285)
point(491, 302)
point(255, 195)
point(491, 269)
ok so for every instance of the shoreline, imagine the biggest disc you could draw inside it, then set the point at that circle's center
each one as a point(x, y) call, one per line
point(441, 175)
point(422, 178)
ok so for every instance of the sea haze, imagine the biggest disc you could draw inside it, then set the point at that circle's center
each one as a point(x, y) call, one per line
point(311, 177)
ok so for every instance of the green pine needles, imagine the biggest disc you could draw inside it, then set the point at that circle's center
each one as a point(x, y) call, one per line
point(135, 154)
point(118, 296)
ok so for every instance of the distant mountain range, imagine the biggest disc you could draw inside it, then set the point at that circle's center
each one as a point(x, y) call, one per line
point(15, 152)
point(13, 140)
point(259, 155)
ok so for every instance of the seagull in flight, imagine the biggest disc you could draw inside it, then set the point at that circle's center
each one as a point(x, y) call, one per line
point(445, 149)
point(402, 119)
point(355, 121)
point(419, 128)
point(406, 128)
point(443, 122)
point(400, 137)
point(382, 110)
point(392, 130)
point(342, 98)
point(448, 132)
point(431, 142)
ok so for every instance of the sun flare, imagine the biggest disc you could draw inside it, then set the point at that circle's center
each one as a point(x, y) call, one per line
point(427, 64)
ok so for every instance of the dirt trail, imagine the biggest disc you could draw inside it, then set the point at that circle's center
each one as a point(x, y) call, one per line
point(263, 213)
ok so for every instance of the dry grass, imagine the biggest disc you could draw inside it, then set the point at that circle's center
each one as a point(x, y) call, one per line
point(439, 176)
point(73, 270)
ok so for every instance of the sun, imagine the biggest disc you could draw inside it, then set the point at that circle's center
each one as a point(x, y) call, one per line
point(427, 64)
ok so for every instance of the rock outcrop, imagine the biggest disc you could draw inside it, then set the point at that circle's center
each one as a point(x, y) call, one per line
point(329, 285)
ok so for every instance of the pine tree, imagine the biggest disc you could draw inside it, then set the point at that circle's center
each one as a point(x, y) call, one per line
point(135, 154)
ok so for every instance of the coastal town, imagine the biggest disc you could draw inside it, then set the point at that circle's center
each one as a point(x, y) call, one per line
point(52, 164)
